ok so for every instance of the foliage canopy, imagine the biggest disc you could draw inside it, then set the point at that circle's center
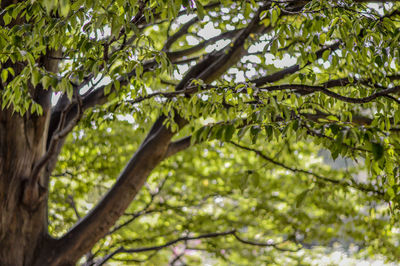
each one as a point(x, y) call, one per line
point(260, 97)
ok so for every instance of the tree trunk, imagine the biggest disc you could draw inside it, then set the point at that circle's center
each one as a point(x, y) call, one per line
point(23, 229)
point(23, 218)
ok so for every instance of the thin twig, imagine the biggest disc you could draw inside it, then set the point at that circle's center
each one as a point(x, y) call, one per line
point(187, 238)
point(60, 133)
point(350, 183)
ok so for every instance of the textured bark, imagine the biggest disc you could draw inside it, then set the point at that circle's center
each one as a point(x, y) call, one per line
point(22, 229)
point(96, 224)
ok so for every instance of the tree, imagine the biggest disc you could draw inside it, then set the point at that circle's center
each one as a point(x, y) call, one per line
point(226, 137)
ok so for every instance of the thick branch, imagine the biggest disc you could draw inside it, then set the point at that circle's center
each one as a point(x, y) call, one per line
point(97, 223)
point(177, 146)
point(233, 55)
point(144, 210)
point(153, 149)
point(174, 55)
point(181, 32)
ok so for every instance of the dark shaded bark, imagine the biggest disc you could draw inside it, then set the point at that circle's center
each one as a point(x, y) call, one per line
point(23, 210)
point(22, 228)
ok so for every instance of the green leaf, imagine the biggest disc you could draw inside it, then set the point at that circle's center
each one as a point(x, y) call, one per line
point(275, 15)
point(36, 76)
point(274, 47)
point(300, 198)
point(377, 150)
point(332, 118)
point(322, 38)
point(7, 18)
point(254, 131)
point(200, 10)
point(115, 27)
point(139, 70)
point(46, 82)
point(228, 133)
point(67, 87)
point(64, 7)
point(4, 75)
point(334, 22)
point(391, 193)
point(325, 54)
point(107, 89)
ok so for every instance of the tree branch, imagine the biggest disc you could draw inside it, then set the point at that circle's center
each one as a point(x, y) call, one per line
point(170, 243)
point(33, 191)
point(307, 89)
point(96, 224)
point(152, 151)
point(177, 146)
point(174, 55)
point(144, 210)
point(259, 244)
point(349, 183)
point(182, 31)
point(293, 69)
point(188, 238)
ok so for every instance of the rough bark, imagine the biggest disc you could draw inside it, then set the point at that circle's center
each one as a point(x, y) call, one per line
point(22, 228)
